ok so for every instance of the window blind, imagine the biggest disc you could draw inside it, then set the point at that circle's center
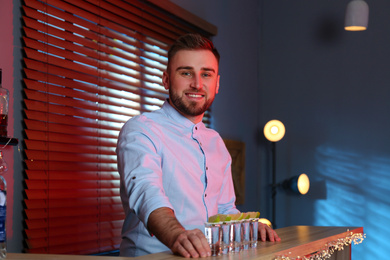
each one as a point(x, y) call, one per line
point(89, 66)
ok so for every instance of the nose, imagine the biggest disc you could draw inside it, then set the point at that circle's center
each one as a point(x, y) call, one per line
point(197, 82)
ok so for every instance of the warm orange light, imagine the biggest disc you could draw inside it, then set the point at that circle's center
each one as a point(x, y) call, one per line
point(355, 28)
point(303, 184)
point(274, 130)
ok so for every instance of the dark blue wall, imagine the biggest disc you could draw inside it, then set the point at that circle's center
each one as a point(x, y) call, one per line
point(331, 89)
point(292, 61)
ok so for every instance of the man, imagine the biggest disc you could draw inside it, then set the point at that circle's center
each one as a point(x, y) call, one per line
point(175, 172)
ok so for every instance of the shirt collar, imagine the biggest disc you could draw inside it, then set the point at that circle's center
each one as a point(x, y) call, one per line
point(172, 113)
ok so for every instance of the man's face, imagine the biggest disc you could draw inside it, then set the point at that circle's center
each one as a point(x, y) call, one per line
point(192, 81)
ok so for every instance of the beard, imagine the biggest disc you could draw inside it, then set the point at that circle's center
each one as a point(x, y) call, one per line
point(189, 108)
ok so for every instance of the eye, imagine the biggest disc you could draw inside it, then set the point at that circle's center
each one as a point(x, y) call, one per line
point(186, 73)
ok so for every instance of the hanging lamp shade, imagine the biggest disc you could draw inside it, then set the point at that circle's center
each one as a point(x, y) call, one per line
point(356, 16)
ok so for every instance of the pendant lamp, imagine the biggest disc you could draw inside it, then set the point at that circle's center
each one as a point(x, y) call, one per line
point(356, 16)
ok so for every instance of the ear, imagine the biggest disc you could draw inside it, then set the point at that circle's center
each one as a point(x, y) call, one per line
point(217, 89)
point(165, 80)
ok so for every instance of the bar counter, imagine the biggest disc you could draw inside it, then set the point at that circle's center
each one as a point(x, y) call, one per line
point(296, 241)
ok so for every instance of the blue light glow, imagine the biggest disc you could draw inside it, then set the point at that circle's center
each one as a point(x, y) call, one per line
point(358, 189)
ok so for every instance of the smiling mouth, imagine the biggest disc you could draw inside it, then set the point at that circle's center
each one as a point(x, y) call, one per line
point(195, 95)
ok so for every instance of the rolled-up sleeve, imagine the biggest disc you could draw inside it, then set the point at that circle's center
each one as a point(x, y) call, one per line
point(139, 166)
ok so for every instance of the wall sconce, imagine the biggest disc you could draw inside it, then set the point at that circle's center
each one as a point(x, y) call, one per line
point(274, 131)
point(356, 16)
point(297, 184)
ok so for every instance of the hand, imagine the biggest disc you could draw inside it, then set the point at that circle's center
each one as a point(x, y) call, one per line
point(188, 243)
point(191, 243)
point(266, 232)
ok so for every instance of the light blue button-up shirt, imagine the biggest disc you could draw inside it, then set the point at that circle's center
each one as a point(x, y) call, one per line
point(165, 160)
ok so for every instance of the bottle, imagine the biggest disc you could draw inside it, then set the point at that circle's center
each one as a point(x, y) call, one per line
point(4, 99)
point(3, 208)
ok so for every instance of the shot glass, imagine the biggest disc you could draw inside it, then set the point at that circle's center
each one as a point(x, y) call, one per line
point(226, 237)
point(254, 231)
point(213, 236)
point(245, 225)
point(237, 236)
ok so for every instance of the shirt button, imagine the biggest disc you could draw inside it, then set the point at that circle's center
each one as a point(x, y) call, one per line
point(205, 195)
point(196, 128)
point(207, 168)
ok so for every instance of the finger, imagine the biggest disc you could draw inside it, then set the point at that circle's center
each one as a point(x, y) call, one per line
point(277, 238)
point(204, 243)
point(200, 243)
point(190, 249)
point(184, 247)
point(265, 231)
point(262, 232)
point(180, 250)
point(270, 233)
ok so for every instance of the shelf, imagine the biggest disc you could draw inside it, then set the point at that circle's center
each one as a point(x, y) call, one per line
point(6, 140)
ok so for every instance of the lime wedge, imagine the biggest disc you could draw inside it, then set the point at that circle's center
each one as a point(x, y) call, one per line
point(241, 216)
point(222, 217)
point(215, 218)
point(218, 218)
point(237, 216)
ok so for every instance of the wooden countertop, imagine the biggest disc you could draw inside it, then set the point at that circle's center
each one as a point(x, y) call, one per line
point(296, 241)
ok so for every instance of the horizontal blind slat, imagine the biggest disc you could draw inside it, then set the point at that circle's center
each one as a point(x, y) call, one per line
point(64, 203)
point(69, 212)
point(71, 175)
point(118, 23)
point(80, 248)
point(95, 25)
point(67, 184)
point(75, 166)
point(80, 113)
point(76, 230)
point(70, 148)
point(75, 221)
point(71, 194)
point(72, 120)
point(138, 16)
point(69, 139)
point(101, 79)
point(113, 89)
point(70, 240)
point(73, 130)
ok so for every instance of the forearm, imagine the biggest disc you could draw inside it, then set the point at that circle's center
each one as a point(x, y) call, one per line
point(164, 225)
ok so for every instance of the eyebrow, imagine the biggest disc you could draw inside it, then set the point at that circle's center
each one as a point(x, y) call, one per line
point(190, 68)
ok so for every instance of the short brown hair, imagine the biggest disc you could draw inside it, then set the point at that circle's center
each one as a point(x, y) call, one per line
point(192, 41)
